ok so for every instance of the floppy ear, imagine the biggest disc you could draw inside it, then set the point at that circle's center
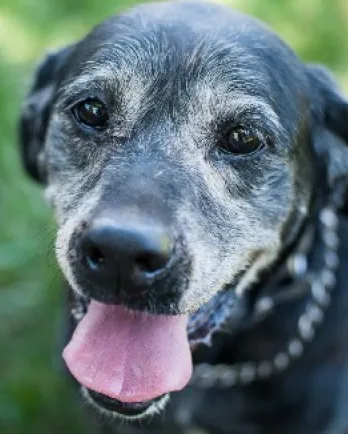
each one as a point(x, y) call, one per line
point(330, 126)
point(35, 113)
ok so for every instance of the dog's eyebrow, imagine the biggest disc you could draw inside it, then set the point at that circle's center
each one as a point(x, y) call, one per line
point(259, 111)
point(91, 80)
point(106, 78)
point(214, 102)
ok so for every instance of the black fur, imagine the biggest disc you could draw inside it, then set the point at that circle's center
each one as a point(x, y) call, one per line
point(156, 68)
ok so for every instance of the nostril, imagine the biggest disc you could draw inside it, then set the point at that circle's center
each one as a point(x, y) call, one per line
point(95, 259)
point(150, 262)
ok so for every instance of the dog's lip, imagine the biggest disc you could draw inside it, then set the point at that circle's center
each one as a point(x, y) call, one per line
point(128, 409)
point(210, 318)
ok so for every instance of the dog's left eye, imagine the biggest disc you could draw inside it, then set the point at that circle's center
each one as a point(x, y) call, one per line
point(91, 113)
point(241, 141)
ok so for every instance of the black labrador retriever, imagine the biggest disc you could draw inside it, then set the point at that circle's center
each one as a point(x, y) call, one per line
point(197, 170)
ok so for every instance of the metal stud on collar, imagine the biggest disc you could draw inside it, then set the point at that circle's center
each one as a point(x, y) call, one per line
point(321, 285)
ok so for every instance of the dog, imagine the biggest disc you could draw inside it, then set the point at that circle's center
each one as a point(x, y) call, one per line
point(197, 170)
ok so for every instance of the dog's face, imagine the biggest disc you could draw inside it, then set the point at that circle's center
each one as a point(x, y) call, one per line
point(179, 144)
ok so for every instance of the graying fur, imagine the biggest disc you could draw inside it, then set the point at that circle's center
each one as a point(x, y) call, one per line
point(172, 75)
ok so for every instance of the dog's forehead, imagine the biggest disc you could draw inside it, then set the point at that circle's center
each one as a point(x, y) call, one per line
point(174, 46)
point(211, 34)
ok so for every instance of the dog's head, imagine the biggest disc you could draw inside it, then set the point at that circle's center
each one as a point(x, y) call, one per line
point(182, 146)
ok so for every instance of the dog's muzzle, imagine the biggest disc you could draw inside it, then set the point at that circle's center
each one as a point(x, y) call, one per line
point(126, 359)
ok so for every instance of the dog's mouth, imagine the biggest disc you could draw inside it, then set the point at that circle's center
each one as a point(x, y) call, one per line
point(128, 361)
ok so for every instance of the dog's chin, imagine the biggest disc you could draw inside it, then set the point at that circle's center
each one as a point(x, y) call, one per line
point(124, 411)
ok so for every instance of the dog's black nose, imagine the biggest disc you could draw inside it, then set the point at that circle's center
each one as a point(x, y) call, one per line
point(125, 256)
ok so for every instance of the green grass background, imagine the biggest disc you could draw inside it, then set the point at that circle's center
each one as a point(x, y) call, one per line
point(35, 398)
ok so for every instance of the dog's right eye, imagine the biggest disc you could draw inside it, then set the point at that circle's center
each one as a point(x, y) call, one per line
point(241, 141)
point(91, 113)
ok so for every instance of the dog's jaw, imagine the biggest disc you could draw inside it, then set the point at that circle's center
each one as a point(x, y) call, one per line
point(155, 408)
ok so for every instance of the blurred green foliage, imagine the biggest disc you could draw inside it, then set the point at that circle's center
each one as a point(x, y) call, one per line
point(35, 397)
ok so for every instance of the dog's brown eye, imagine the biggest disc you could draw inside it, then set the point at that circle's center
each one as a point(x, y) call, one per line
point(241, 141)
point(91, 113)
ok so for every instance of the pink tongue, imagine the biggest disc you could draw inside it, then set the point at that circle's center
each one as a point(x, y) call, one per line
point(129, 356)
